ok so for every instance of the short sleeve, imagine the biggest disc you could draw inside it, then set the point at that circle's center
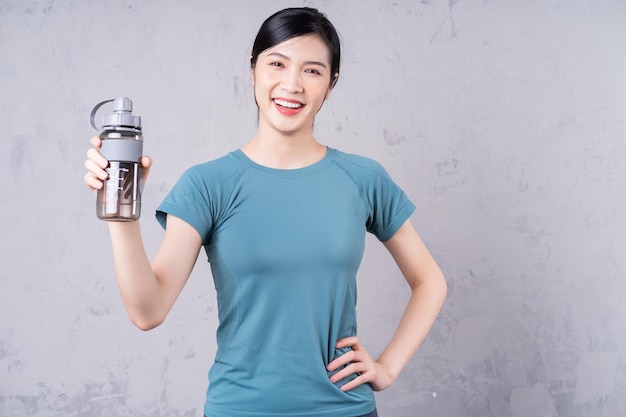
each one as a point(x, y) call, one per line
point(189, 201)
point(388, 205)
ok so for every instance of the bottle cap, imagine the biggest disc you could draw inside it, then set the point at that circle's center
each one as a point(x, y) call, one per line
point(121, 117)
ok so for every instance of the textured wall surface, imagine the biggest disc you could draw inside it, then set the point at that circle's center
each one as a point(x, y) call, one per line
point(505, 122)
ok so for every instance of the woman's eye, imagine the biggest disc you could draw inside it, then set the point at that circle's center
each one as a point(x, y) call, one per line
point(312, 71)
point(276, 64)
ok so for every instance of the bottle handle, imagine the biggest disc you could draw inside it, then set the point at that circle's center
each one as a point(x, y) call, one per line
point(94, 110)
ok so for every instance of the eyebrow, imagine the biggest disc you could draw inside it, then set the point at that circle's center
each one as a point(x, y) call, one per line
point(278, 54)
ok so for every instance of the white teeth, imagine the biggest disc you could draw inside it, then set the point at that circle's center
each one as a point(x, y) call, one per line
point(288, 104)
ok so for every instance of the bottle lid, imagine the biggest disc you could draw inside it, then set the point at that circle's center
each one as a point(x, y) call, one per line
point(122, 118)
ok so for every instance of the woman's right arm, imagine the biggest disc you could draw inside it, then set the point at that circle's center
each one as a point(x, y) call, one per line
point(148, 290)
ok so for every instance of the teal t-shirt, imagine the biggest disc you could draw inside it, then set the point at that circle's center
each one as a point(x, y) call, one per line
point(284, 248)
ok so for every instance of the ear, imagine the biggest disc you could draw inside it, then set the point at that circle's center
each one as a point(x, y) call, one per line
point(332, 85)
point(251, 72)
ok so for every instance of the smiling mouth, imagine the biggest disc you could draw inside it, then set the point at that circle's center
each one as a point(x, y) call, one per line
point(288, 104)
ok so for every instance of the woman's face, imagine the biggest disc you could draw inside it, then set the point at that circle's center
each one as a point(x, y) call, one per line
point(291, 81)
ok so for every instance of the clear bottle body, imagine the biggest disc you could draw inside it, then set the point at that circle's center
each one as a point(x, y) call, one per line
point(120, 198)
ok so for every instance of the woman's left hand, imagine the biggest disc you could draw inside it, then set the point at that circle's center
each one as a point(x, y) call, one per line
point(358, 362)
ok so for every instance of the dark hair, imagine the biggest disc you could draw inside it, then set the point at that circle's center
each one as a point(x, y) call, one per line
point(297, 21)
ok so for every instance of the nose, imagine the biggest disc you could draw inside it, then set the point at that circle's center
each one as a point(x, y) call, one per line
point(292, 82)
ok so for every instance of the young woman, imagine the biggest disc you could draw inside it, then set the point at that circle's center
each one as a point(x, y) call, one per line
point(283, 221)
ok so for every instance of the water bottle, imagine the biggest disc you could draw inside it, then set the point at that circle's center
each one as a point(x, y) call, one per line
point(122, 146)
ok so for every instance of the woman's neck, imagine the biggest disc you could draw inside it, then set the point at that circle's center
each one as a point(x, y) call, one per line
point(284, 152)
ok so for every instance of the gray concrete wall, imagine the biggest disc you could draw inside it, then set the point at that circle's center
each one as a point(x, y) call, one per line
point(505, 122)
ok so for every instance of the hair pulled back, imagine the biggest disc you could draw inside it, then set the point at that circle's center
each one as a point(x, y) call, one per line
point(298, 21)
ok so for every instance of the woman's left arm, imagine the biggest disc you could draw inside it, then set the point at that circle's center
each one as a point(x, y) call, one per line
point(428, 291)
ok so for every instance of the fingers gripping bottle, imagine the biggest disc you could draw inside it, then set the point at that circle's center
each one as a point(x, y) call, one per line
point(122, 146)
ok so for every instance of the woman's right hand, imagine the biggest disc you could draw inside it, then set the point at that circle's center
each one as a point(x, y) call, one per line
point(97, 164)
